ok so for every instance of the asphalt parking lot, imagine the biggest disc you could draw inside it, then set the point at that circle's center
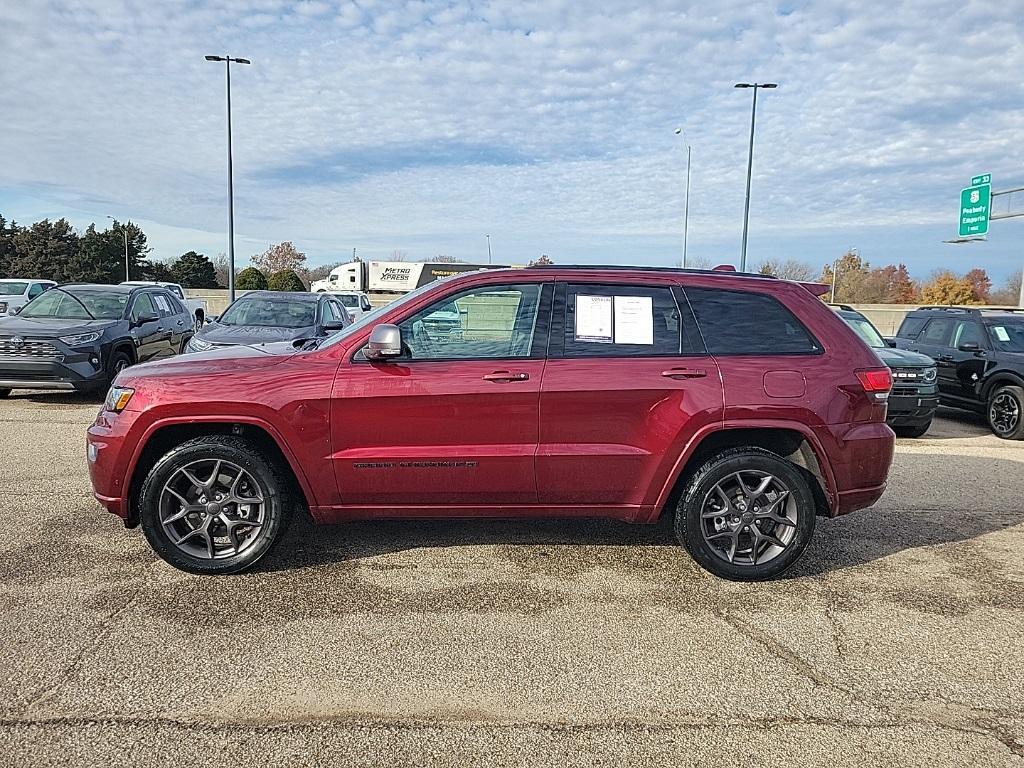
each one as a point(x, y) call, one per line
point(899, 639)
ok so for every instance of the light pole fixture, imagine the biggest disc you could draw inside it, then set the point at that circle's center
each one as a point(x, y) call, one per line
point(488, 248)
point(231, 192)
point(124, 232)
point(686, 206)
point(750, 163)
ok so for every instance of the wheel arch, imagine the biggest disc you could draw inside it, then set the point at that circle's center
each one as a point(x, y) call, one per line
point(161, 436)
point(999, 379)
point(124, 345)
point(793, 441)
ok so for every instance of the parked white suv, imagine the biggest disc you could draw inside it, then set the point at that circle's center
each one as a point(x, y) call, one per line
point(16, 293)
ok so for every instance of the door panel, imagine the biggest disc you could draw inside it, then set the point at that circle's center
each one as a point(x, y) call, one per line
point(615, 406)
point(436, 433)
point(967, 368)
point(454, 421)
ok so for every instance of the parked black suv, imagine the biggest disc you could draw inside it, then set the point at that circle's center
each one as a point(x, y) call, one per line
point(980, 356)
point(80, 336)
point(915, 392)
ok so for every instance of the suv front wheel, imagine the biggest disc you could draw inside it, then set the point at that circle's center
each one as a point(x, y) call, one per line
point(213, 505)
point(746, 515)
point(1006, 412)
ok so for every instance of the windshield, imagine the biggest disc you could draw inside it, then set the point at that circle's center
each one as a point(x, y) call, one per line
point(866, 331)
point(77, 304)
point(1007, 337)
point(270, 312)
point(12, 289)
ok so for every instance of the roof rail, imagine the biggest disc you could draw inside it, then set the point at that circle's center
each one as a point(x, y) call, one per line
point(684, 270)
point(949, 308)
point(844, 307)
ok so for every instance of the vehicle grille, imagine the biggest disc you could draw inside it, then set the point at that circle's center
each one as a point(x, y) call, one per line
point(37, 350)
point(906, 374)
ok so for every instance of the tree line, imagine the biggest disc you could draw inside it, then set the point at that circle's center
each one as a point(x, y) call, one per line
point(55, 250)
point(857, 282)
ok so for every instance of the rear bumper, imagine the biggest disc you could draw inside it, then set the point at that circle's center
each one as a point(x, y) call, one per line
point(862, 456)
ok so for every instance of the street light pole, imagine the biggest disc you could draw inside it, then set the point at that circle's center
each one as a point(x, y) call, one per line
point(488, 248)
point(750, 165)
point(124, 233)
point(231, 191)
point(686, 206)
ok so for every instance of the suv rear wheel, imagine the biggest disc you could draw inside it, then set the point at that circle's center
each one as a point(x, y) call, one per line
point(746, 515)
point(1006, 412)
point(213, 505)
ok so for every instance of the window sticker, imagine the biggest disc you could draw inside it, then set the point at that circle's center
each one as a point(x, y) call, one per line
point(634, 320)
point(594, 318)
point(1000, 333)
point(161, 303)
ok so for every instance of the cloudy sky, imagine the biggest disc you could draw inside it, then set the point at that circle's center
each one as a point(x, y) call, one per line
point(423, 126)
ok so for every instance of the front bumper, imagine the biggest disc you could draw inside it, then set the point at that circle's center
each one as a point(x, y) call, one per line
point(73, 369)
point(108, 461)
point(908, 410)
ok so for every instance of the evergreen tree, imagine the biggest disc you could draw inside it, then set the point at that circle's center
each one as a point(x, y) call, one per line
point(285, 280)
point(251, 279)
point(194, 270)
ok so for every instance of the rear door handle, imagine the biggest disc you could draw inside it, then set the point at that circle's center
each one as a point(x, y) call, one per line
point(684, 373)
point(506, 376)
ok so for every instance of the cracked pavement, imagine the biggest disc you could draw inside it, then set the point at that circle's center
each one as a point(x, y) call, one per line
point(897, 640)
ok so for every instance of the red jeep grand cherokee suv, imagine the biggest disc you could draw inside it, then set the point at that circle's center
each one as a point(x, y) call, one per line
point(739, 404)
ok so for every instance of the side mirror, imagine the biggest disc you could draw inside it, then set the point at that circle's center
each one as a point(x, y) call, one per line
point(969, 346)
point(385, 342)
point(890, 343)
point(333, 325)
point(146, 317)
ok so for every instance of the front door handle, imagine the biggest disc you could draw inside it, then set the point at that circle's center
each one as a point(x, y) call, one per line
point(945, 358)
point(684, 373)
point(506, 376)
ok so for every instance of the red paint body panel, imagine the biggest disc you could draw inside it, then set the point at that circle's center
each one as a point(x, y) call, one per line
point(575, 437)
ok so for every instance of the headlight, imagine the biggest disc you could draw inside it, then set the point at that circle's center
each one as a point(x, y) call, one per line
point(118, 399)
point(930, 374)
point(80, 339)
point(195, 344)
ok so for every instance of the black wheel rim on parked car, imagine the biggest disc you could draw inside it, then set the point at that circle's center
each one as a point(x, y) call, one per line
point(1004, 413)
point(212, 509)
point(749, 518)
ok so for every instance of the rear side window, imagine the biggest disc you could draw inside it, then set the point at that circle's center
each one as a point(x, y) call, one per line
point(163, 305)
point(911, 326)
point(745, 323)
point(623, 321)
point(937, 331)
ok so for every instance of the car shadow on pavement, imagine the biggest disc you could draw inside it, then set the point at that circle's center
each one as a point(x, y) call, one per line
point(917, 513)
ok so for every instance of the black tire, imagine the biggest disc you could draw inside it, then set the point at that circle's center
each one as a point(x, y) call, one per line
point(799, 504)
point(273, 485)
point(4, 393)
point(916, 430)
point(198, 323)
point(1005, 412)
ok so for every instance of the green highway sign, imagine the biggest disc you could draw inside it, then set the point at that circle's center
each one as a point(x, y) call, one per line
point(974, 208)
point(985, 178)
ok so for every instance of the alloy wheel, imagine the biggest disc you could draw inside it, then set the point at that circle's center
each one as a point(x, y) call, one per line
point(1004, 413)
point(212, 509)
point(749, 518)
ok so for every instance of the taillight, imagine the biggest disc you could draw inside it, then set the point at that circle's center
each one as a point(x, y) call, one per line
point(876, 382)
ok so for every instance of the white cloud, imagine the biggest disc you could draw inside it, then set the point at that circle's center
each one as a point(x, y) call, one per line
point(555, 119)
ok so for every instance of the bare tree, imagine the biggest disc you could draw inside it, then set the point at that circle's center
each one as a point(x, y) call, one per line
point(444, 258)
point(280, 257)
point(790, 269)
point(397, 255)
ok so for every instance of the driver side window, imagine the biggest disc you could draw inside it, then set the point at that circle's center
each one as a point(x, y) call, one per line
point(494, 321)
